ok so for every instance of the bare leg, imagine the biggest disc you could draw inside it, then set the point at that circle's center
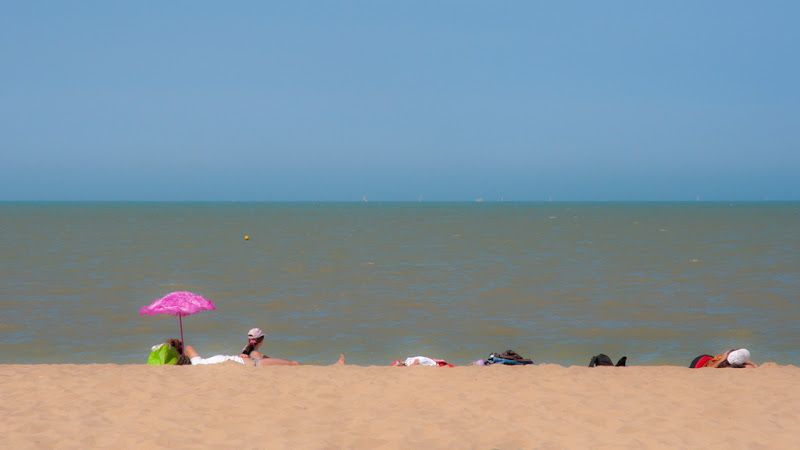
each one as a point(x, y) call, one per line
point(285, 362)
point(190, 352)
point(277, 362)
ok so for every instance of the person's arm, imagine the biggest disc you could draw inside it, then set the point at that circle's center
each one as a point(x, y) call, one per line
point(750, 365)
point(719, 359)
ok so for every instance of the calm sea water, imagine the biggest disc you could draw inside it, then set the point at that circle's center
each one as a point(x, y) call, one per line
point(556, 282)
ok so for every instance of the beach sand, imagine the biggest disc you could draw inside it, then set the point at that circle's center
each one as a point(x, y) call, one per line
point(547, 406)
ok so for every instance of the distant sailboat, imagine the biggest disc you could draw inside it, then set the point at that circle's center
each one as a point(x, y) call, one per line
point(420, 198)
point(698, 198)
point(364, 199)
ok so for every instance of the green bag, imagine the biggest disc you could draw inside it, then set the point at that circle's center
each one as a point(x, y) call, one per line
point(163, 354)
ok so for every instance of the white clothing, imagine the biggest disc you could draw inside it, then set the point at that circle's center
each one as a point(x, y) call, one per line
point(198, 360)
point(421, 360)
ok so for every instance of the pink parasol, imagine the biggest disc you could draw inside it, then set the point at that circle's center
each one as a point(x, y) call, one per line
point(179, 304)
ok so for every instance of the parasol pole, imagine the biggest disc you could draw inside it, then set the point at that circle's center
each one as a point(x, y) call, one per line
point(183, 344)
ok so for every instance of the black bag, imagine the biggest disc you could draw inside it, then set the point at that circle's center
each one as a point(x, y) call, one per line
point(604, 360)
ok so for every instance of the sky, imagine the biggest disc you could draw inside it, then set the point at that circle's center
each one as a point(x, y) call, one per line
point(447, 100)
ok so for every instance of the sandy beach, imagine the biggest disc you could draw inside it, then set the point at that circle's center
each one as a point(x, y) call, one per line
point(545, 406)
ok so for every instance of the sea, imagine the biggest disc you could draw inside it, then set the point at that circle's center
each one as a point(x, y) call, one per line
point(556, 282)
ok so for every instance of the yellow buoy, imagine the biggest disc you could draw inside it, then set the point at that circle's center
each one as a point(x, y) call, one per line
point(247, 238)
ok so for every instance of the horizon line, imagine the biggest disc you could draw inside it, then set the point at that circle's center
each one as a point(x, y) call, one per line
point(400, 201)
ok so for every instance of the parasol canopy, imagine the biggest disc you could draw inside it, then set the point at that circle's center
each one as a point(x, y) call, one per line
point(179, 304)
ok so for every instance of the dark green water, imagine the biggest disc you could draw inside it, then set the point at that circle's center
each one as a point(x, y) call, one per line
point(557, 282)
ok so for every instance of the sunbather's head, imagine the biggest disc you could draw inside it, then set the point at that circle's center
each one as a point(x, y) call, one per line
point(738, 358)
point(183, 360)
point(255, 338)
point(255, 333)
point(176, 344)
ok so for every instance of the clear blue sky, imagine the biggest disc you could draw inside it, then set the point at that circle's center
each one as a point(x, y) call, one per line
point(451, 100)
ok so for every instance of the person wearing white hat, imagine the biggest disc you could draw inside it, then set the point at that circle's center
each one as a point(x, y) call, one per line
point(740, 358)
point(255, 338)
point(737, 358)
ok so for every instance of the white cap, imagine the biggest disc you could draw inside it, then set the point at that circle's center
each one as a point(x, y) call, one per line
point(255, 333)
point(739, 357)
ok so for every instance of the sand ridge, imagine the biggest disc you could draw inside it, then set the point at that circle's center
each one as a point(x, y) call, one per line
point(542, 406)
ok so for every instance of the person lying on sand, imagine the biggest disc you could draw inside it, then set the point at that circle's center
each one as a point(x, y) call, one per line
point(737, 358)
point(421, 361)
point(190, 356)
point(255, 338)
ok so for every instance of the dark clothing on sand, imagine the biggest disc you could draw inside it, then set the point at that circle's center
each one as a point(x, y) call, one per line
point(508, 357)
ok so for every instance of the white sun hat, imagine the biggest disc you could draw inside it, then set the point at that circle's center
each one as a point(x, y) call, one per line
point(739, 357)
